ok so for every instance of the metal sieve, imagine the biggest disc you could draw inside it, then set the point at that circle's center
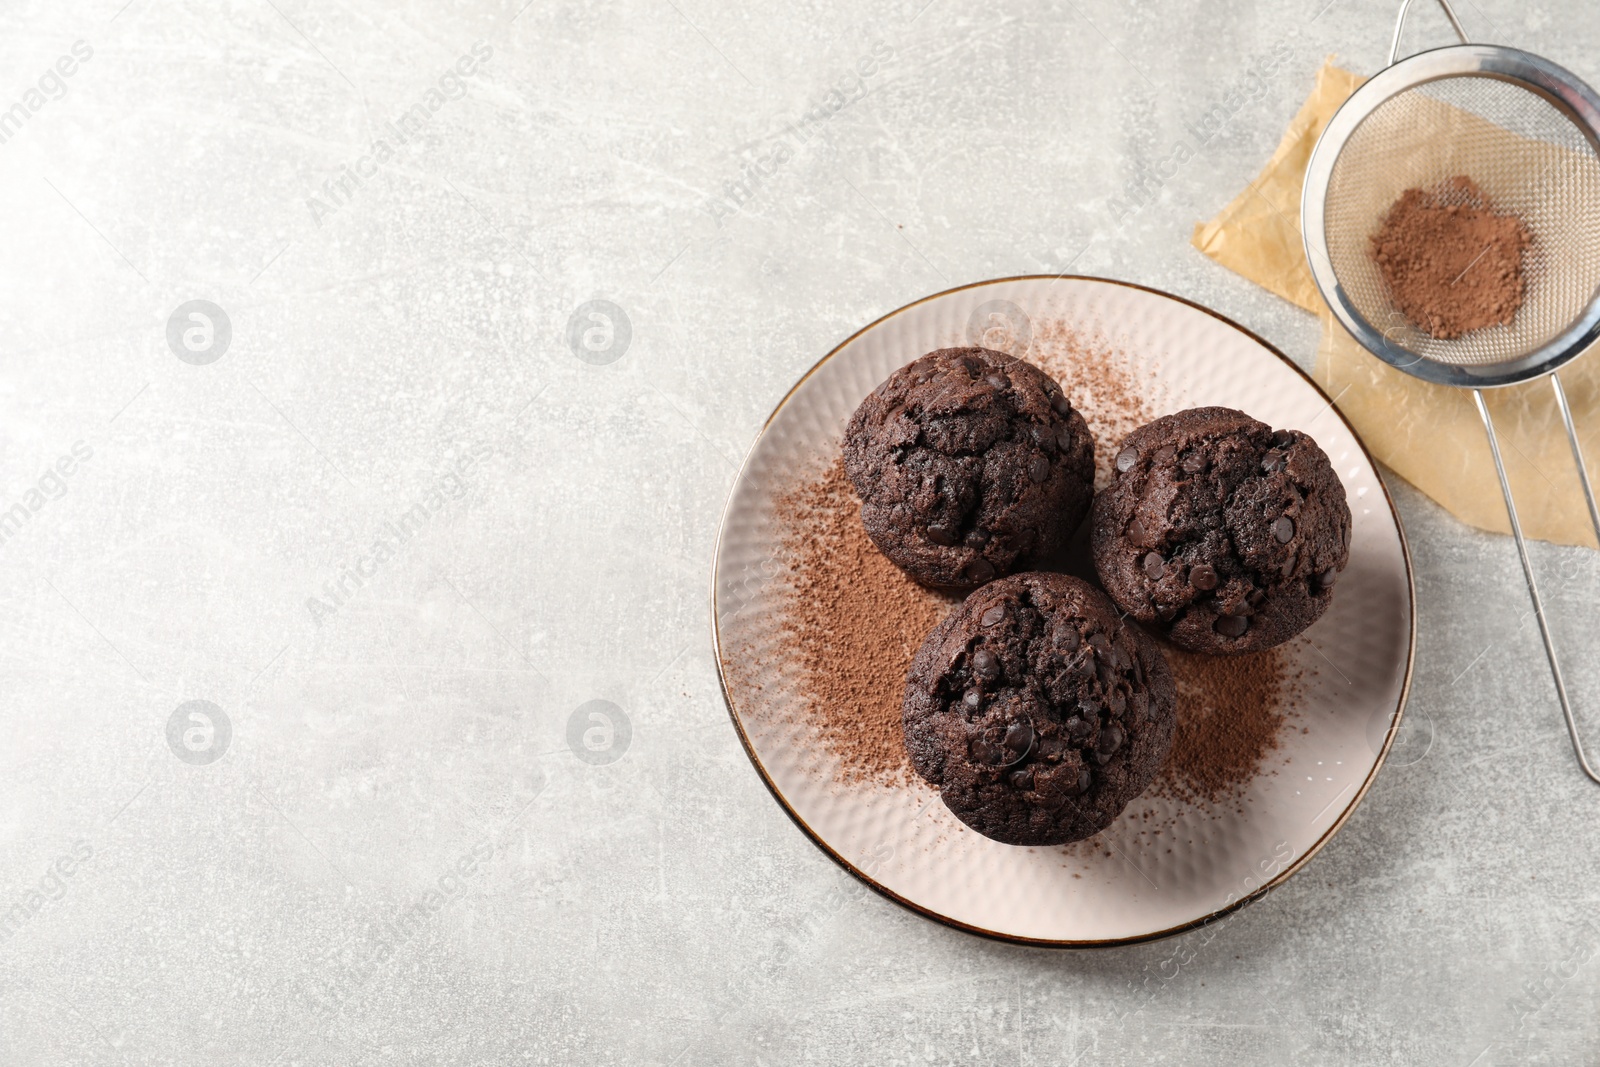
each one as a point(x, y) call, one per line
point(1528, 133)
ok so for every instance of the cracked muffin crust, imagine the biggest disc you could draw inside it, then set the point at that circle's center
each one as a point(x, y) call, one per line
point(1037, 712)
point(969, 464)
point(1220, 532)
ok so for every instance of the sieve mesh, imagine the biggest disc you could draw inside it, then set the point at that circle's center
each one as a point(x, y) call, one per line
point(1529, 159)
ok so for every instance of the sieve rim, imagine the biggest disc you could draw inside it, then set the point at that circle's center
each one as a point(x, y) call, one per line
point(1564, 90)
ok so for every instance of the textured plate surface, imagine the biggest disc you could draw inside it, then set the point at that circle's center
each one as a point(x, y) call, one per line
point(1127, 884)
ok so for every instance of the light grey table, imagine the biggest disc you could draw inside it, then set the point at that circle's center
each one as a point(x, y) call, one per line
point(376, 512)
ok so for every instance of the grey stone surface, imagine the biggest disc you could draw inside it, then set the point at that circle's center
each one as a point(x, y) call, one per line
point(434, 732)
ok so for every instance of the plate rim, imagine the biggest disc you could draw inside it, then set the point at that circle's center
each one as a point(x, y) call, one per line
point(1022, 939)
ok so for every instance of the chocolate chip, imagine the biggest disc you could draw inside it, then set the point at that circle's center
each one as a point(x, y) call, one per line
point(972, 701)
point(976, 539)
point(1116, 702)
point(1081, 786)
point(1136, 532)
point(1166, 454)
point(985, 665)
point(1077, 728)
point(1120, 658)
point(1153, 565)
point(1194, 463)
point(941, 535)
point(1283, 438)
point(997, 381)
point(1064, 438)
point(1022, 779)
point(980, 570)
point(1045, 438)
point(1111, 738)
point(1203, 577)
point(1098, 642)
point(1283, 530)
point(1255, 598)
point(1126, 459)
point(1067, 639)
point(1018, 741)
point(1273, 461)
point(1038, 469)
point(994, 616)
point(1061, 404)
point(1231, 625)
point(1327, 578)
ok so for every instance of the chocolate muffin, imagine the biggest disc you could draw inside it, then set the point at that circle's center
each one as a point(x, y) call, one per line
point(1220, 532)
point(1037, 712)
point(969, 464)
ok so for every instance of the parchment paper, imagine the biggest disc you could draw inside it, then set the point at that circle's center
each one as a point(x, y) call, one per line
point(1428, 434)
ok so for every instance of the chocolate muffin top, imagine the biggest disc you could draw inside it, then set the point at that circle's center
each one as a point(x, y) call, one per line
point(1222, 533)
point(969, 464)
point(1036, 712)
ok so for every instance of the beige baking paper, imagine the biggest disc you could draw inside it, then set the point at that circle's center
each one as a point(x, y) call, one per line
point(1428, 434)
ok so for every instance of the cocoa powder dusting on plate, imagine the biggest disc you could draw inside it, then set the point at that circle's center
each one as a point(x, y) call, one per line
point(1231, 713)
point(1096, 378)
point(854, 621)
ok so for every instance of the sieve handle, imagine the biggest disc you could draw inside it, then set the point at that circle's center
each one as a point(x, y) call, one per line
point(1527, 565)
point(1400, 24)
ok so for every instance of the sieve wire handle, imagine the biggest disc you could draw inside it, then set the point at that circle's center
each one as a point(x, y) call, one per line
point(1400, 24)
point(1527, 565)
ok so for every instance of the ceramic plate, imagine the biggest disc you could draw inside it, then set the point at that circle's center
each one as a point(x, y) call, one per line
point(1126, 885)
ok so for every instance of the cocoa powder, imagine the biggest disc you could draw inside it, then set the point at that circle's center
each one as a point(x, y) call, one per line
point(1452, 263)
point(1231, 711)
point(1097, 379)
point(853, 623)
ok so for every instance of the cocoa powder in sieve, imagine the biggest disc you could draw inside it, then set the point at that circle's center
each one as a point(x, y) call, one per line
point(1452, 263)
